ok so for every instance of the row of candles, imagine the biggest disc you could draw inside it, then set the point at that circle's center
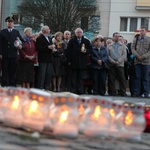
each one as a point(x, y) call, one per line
point(67, 114)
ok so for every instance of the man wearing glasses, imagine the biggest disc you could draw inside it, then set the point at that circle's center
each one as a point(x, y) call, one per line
point(8, 52)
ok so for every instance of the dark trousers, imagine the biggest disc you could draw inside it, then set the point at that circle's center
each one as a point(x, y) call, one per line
point(9, 66)
point(45, 73)
point(77, 81)
point(131, 79)
point(116, 72)
point(99, 81)
point(141, 79)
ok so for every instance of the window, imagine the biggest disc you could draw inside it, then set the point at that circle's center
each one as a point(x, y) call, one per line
point(131, 24)
point(18, 18)
point(144, 22)
point(123, 25)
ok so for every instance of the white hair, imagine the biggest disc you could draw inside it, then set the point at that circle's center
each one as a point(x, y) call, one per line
point(67, 32)
point(27, 29)
point(78, 29)
point(43, 28)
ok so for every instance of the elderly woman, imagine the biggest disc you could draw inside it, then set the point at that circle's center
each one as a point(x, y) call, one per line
point(27, 55)
point(58, 66)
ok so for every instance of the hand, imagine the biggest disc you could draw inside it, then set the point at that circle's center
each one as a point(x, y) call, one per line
point(99, 62)
point(139, 58)
point(19, 47)
point(83, 50)
point(1, 57)
point(51, 46)
point(116, 63)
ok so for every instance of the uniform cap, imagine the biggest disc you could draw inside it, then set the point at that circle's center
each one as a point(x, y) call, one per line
point(9, 18)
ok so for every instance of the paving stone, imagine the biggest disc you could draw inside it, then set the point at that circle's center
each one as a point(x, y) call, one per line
point(11, 147)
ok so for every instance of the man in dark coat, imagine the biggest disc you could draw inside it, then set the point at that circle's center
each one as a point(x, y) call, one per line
point(8, 52)
point(45, 49)
point(77, 50)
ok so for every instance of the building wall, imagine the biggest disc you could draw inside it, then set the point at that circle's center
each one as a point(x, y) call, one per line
point(124, 8)
point(143, 3)
point(104, 10)
point(9, 7)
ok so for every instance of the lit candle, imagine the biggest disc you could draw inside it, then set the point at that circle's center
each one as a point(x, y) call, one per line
point(97, 117)
point(64, 116)
point(64, 128)
point(35, 110)
point(3, 100)
point(13, 114)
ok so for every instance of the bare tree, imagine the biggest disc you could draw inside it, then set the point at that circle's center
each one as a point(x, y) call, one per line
point(60, 15)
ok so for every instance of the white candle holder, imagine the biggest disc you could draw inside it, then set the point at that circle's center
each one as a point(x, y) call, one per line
point(35, 109)
point(64, 116)
point(13, 109)
point(134, 121)
point(116, 120)
point(97, 117)
point(3, 102)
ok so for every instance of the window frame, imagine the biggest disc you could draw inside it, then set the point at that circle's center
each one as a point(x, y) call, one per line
point(129, 22)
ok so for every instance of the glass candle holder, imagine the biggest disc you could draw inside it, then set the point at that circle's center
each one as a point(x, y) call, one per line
point(97, 117)
point(13, 107)
point(35, 109)
point(3, 102)
point(117, 116)
point(64, 116)
point(83, 102)
point(134, 121)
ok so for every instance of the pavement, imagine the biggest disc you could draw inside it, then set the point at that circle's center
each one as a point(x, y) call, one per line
point(15, 139)
point(128, 98)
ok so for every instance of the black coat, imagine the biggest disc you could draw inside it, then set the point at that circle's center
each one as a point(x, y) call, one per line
point(7, 48)
point(44, 53)
point(78, 59)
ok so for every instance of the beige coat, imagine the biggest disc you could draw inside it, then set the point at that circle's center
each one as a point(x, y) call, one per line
point(142, 49)
point(122, 54)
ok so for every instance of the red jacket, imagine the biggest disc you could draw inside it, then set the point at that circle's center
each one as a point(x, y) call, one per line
point(28, 49)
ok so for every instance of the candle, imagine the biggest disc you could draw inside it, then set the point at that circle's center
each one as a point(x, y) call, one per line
point(35, 109)
point(3, 100)
point(64, 116)
point(13, 106)
point(66, 130)
point(13, 115)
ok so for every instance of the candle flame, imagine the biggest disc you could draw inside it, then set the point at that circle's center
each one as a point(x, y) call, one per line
point(97, 113)
point(81, 110)
point(129, 118)
point(33, 106)
point(64, 116)
point(112, 114)
point(15, 103)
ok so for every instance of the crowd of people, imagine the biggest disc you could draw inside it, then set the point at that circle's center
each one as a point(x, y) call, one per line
point(74, 63)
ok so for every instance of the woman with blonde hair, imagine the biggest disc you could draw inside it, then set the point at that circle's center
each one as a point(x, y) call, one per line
point(59, 56)
point(27, 55)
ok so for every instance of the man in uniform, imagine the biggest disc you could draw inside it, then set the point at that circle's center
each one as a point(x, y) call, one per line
point(8, 52)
